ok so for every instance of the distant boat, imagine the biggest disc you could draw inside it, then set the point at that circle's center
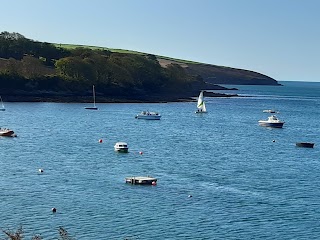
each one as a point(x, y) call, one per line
point(148, 115)
point(201, 105)
point(94, 100)
point(2, 105)
point(305, 144)
point(141, 180)
point(272, 121)
point(4, 132)
point(121, 147)
point(270, 111)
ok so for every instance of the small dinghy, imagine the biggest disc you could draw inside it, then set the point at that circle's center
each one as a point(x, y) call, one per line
point(305, 144)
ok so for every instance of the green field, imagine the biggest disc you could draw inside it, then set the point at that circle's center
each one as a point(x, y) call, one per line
point(115, 50)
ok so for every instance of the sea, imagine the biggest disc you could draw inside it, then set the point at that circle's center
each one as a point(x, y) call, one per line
point(220, 175)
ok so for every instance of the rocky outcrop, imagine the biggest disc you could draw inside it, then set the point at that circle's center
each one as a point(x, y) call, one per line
point(226, 75)
point(222, 75)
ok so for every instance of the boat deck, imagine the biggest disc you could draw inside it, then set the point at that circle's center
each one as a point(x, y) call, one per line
point(141, 180)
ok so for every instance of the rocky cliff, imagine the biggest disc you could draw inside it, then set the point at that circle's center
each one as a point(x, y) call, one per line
point(222, 75)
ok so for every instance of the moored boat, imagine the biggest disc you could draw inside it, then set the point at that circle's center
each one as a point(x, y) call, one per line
point(94, 100)
point(272, 121)
point(141, 180)
point(4, 132)
point(305, 144)
point(270, 111)
point(121, 147)
point(148, 115)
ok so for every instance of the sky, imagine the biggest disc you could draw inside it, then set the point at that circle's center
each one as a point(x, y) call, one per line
point(278, 38)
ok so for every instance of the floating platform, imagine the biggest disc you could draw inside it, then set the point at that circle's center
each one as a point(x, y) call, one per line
point(305, 144)
point(141, 180)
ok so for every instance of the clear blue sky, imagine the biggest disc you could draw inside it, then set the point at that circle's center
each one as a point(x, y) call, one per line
point(279, 38)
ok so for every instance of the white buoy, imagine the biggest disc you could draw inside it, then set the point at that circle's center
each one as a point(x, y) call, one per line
point(40, 170)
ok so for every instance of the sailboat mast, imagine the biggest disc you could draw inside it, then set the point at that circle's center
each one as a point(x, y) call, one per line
point(1, 102)
point(94, 96)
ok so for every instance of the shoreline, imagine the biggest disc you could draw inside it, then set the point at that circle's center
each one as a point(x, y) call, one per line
point(101, 99)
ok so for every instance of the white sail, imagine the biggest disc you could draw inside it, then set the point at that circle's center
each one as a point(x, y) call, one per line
point(201, 104)
point(204, 107)
point(200, 100)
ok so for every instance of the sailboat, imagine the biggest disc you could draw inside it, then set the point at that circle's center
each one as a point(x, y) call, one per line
point(94, 100)
point(2, 105)
point(201, 104)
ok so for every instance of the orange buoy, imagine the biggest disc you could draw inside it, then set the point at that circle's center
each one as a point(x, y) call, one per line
point(154, 183)
point(100, 140)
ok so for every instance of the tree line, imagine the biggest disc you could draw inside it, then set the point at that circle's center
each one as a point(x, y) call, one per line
point(31, 66)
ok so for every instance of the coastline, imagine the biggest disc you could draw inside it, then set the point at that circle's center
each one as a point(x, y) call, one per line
point(103, 99)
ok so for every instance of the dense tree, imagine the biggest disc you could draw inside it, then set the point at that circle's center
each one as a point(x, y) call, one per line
point(16, 46)
point(34, 66)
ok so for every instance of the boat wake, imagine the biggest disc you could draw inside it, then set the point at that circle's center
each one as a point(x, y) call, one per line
point(228, 189)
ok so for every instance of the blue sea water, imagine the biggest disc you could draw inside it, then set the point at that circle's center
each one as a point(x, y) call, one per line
point(246, 181)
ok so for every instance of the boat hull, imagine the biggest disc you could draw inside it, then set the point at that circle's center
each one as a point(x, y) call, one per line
point(91, 108)
point(148, 117)
point(305, 144)
point(200, 112)
point(8, 133)
point(271, 125)
point(121, 150)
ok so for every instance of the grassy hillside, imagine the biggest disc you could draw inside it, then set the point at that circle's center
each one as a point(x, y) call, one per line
point(115, 50)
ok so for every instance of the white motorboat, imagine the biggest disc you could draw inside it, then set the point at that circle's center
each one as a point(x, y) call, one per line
point(270, 111)
point(201, 105)
point(272, 121)
point(121, 147)
point(148, 115)
point(141, 180)
point(5, 132)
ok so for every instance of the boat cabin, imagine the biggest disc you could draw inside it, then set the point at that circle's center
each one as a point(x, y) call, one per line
point(121, 147)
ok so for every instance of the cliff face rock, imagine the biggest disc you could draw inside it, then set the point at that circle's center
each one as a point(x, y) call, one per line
point(226, 75)
point(223, 75)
